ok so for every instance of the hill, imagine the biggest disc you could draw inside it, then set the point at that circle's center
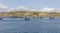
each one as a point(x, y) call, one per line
point(29, 14)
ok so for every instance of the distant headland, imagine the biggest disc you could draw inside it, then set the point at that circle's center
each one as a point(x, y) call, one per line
point(29, 14)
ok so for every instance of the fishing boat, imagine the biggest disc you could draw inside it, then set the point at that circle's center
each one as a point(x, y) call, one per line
point(51, 18)
point(12, 19)
point(26, 19)
point(1, 18)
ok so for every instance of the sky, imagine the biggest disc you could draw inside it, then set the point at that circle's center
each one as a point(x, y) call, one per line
point(33, 4)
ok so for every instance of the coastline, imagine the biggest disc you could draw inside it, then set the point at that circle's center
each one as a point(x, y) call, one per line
point(29, 14)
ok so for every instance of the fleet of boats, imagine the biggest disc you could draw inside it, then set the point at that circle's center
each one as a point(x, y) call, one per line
point(14, 18)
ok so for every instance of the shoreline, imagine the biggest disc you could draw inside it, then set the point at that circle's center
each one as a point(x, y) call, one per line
point(29, 14)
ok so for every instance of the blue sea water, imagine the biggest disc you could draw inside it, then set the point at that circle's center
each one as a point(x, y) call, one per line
point(37, 25)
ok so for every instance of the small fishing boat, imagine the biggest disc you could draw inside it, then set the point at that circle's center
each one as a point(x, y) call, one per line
point(27, 19)
point(51, 18)
point(1, 18)
point(11, 18)
point(41, 17)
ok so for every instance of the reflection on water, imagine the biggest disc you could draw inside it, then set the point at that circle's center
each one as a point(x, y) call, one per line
point(30, 26)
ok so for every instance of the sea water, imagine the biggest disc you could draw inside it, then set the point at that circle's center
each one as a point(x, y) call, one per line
point(36, 25)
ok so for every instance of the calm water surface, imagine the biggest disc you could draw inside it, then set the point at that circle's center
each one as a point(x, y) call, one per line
point(44, 25)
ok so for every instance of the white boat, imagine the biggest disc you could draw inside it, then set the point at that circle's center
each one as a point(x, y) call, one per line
point(11, 18)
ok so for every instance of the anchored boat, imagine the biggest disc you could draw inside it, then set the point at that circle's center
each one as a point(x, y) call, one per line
point(1, 18)
point(26, 19)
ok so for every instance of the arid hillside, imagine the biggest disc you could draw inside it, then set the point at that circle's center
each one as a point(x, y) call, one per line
point(29, 14)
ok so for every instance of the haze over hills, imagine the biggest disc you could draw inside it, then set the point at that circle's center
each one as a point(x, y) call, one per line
point(25, 11)
point(23, 8)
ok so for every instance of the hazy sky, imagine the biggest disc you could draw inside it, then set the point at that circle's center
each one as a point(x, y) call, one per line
point(32, 3)
point(42, 5)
